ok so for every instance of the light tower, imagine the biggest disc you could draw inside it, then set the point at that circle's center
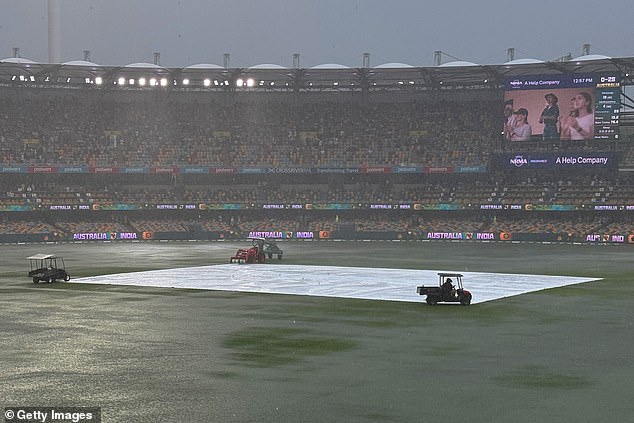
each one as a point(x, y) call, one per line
point(54, 53)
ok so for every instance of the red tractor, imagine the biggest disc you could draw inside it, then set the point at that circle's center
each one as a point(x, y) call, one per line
point(260, 248)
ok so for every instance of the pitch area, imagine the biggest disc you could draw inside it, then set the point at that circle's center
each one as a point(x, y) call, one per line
point(162, 354)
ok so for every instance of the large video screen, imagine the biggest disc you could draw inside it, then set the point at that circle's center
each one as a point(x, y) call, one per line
point(562, 107)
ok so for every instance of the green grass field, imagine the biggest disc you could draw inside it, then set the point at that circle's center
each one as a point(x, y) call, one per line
point(166, 355)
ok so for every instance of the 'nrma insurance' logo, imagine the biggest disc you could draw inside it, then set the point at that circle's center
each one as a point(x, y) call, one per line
point(516, 83)
point(519, 161)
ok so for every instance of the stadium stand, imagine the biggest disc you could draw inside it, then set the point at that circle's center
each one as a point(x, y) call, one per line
point(90, 161)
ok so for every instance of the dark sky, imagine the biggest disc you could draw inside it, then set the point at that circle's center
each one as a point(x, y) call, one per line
point(185, 32)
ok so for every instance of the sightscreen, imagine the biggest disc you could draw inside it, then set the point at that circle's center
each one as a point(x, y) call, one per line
point(562, 107)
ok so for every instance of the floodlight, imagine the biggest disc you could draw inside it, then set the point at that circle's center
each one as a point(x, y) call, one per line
point(153, 82)
point(67, 80)
point(32, 78)
point(22, 78)
point(142, 82)
point(250, 82)
point(87, 80)
point(163, 82)
point(13, 77)
point(335, 83)
point(121, 81)
point(98, 80)
point(131, 81)
point(239, 82)
point(185, 81)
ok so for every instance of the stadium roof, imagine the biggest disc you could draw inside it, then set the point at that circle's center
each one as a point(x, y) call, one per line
point(330, 76)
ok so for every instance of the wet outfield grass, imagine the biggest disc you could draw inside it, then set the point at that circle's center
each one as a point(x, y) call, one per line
point(159, 354)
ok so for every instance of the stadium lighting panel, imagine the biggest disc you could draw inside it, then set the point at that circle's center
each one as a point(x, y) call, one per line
point(32, 78)
point(153, 82)
point(250, 82)
point(163, 82)
point(68, 80)
point(131, 81)
point(142, 82)
point(207, 82)
point(185, 81)
point(98, 80)
point(239, 82)
point(121, 81)
point(87, 81)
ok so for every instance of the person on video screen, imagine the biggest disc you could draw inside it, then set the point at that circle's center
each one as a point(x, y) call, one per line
point(510, 119)
point(579, 124)
point(522, 130)
point(550, 117)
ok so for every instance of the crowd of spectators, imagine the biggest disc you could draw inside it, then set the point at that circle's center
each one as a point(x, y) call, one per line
point(93, 129)
point(46, 128)
point(463, 191)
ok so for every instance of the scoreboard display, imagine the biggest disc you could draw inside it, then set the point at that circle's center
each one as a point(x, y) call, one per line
point(562, 107)
point(606, 109)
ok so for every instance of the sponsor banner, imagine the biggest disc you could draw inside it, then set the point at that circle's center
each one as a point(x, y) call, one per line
point(337, 170)
point(200, 170)
point(224, 170)
point(100, 169)
point(14, 208)
point(468, 236)
point(225, 206)
point(608, 238)
point(290, 170)
point(176, 206)
point(407, 169)
point(439, 169)
point(552, 82)
point(332, 206)
point(42, 169)
point(557, 161)
point(252, 170)
point(115, 207)
point(163, 170)
point(14, 169)
point(134, 170)
point(439, 206)
point(283, 234)
point(503, 206)
point(104, 236)
point(471, 169)
point(72, 169)
point(375, 169)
